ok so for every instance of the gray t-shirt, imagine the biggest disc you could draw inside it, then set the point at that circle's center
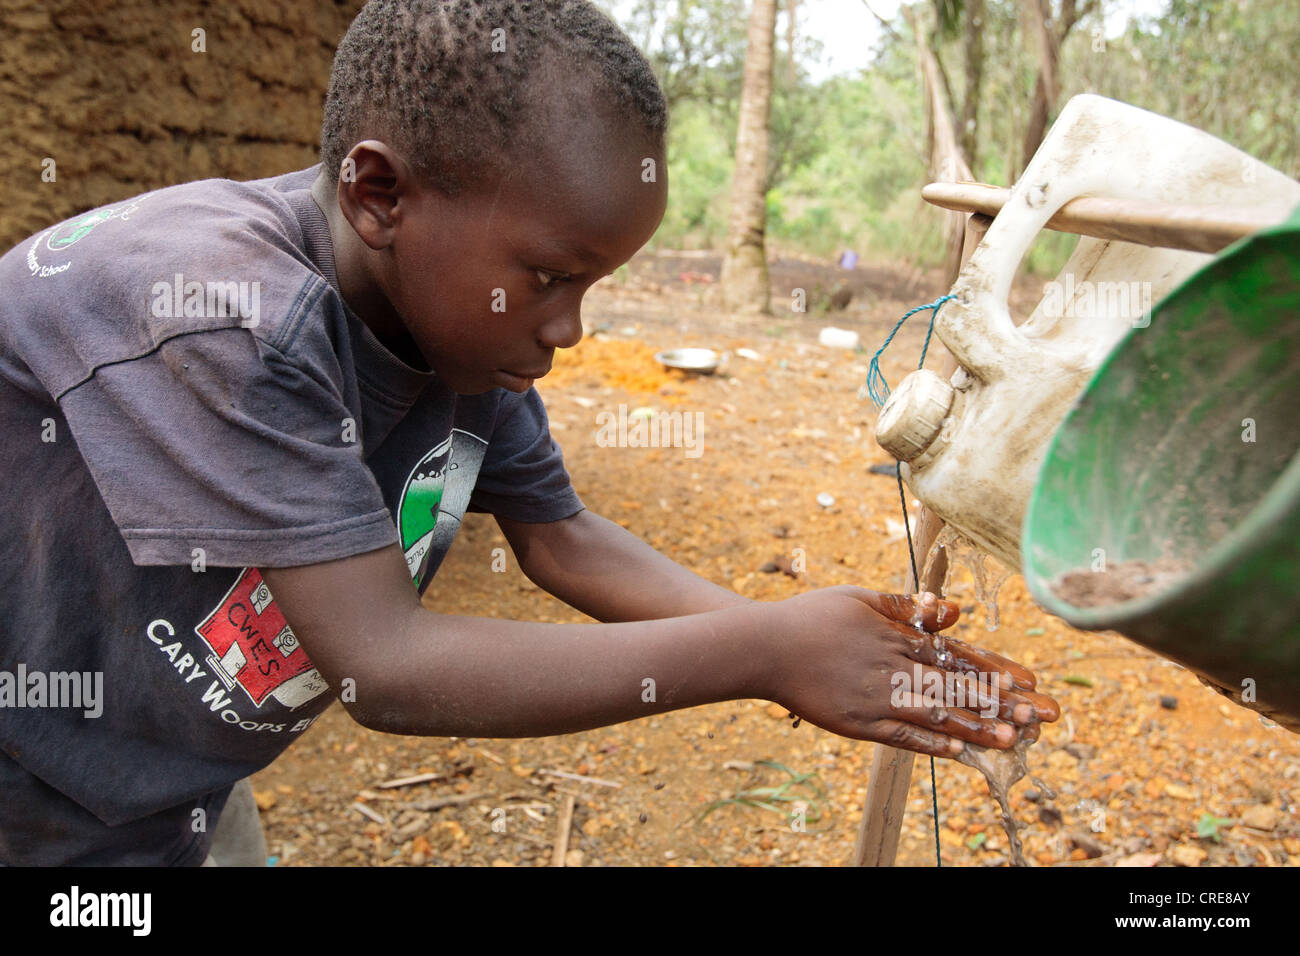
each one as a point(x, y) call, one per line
point(184, 398)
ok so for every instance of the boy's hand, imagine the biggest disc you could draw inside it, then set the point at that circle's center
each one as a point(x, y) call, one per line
point(850, 655)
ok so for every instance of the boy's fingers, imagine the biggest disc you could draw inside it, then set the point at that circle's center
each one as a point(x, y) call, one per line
point(1025, 705)
point(1013, 683)
point(1044, 707)
point(905, 736)
point(995, 685)
point(957, 722)
point(1022, 707)
point(1022, 677)
point(935, 614)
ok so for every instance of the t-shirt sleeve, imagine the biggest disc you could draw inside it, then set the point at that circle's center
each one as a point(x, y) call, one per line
point(523, 477)
point(215, 440)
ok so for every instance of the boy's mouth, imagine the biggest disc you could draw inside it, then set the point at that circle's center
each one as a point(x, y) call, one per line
point(516, 381)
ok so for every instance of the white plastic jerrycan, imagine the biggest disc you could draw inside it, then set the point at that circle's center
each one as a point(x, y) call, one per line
point(970, 447)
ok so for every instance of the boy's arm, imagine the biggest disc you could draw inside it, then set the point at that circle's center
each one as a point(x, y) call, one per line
point(827, 655)
point(592, 564)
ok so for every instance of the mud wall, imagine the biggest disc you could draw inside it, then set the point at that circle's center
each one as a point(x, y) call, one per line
point(125, 96)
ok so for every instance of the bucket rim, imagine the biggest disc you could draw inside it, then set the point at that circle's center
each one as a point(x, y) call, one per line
point(1268, 512)
point(1216, 563)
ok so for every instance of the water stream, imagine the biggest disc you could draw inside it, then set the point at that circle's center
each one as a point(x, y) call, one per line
point(1002, 769)
point(988, 581)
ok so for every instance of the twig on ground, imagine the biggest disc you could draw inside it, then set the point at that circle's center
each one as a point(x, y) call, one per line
point(438, 803)
point(596, 781)
point(369, 814)
point(410, 781)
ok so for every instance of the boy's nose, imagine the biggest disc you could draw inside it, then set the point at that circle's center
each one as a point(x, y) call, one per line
point(562, 331)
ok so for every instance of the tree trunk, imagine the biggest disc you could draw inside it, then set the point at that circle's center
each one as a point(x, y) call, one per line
point(1045, 86)
point(973, 43)
point(744, 283)
point(791, 73)
point(1050, 38)
point(947, 164)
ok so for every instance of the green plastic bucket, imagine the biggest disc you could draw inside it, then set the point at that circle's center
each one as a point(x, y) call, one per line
point(1184, 446)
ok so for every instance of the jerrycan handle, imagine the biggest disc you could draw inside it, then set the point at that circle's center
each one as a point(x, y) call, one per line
point(1096, 147)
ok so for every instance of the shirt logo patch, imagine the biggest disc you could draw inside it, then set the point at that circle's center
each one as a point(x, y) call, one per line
point(254, 647)
point(434, 499)
point(74, 230)
point(417, 513)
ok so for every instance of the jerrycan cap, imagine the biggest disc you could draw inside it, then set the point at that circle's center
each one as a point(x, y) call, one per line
point(914, 414)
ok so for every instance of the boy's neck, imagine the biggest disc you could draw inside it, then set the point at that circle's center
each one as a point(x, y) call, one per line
point(352, 264)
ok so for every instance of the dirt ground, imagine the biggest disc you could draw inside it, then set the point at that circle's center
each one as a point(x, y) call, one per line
point(1151, 767)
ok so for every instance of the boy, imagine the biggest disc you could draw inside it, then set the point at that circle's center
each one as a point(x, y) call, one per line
point(247, 417)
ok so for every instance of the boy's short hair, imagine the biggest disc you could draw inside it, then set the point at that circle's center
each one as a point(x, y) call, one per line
point(450, 83)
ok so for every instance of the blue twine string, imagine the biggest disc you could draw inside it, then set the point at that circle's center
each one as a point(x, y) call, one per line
point(877, 387)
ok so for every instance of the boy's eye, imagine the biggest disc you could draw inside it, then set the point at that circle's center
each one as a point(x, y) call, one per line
point(547, 279)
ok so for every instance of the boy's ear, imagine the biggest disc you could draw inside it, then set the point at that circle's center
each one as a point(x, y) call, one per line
point(373, 180)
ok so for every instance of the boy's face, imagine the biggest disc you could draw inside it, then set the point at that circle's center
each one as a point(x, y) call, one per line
point(489, 282)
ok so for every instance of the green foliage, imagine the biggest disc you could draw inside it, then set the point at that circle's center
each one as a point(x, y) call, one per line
point(848, 155)
point(948, 13)
point(1208, 827)
point(697, 47)
point(799, 790)
point(699, 180)
point(1226, 66)
point(1049, 252)
point(796, 137)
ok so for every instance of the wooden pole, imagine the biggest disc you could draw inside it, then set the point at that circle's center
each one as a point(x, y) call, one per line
point(561, 848)
point(891, 769)
point(1145, 222)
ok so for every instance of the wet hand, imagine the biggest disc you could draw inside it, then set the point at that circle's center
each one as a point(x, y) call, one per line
point(864, 664)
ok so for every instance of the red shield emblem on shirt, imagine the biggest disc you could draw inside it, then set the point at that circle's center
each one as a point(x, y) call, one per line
point(253, 646)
